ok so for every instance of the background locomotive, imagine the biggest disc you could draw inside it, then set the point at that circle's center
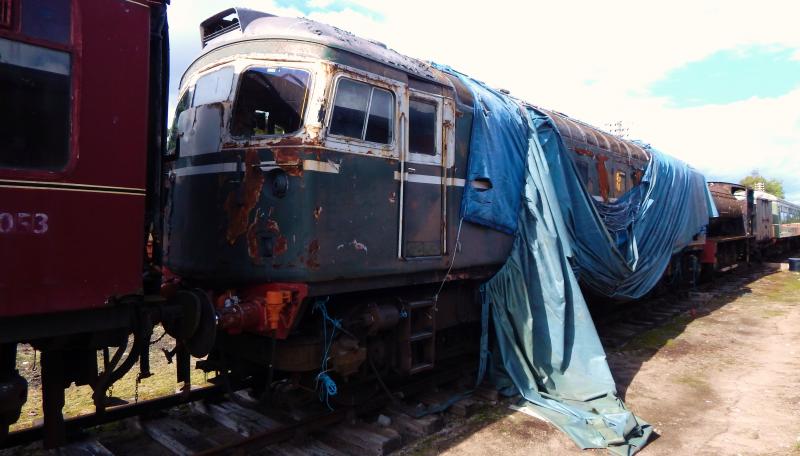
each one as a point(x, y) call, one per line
point(310, 196)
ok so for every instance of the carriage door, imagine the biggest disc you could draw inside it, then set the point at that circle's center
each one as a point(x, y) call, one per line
point(423, 187)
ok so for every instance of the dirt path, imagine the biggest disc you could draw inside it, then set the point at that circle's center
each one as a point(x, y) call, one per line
point(725, 381)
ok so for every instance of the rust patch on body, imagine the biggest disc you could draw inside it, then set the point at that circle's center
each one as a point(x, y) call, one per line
point(252, 240)
point(313, 250)
point(317, 213)
point(241, 202)
point(281, 244)
point(280, 247)
point(289, 161)
point(602, 177)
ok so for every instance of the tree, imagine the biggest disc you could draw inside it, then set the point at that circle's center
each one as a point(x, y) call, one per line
point(773, 186)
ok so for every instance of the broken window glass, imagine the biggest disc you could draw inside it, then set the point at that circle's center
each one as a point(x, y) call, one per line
point(422, 127)
point(183, 104)
point(34, 106)
point(270, 101)
point(352, 103)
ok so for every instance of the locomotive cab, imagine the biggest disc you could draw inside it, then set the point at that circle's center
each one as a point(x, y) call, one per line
point(308, 166)
point(287, 156)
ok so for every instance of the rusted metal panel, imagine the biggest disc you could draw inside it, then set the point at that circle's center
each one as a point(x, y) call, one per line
point(728, 205)
point(731, 202)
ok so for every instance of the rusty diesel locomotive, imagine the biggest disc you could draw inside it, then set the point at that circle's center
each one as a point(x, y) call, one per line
point(299, 228)
point(310, 166)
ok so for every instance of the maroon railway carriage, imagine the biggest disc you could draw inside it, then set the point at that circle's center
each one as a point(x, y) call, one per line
point(82, 101)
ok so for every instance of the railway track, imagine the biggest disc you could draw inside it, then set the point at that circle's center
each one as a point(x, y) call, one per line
point(209, 422)
point(212, 423)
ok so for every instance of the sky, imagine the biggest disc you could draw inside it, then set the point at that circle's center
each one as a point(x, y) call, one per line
point(715, 83)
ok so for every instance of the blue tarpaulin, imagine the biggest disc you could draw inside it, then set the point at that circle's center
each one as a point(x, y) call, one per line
point(495, 160)
point(545, 335)
point(623, 248)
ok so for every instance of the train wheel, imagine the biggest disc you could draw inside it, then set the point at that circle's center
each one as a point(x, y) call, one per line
point(202, 341)
point(190, 303)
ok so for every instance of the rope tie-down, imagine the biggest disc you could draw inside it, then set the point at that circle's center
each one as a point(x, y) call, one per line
point(326, 385)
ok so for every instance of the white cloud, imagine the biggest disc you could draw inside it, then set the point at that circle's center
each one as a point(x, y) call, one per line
point(595, 61)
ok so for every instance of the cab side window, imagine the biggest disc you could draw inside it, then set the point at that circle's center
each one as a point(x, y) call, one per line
point(362, 111)
point(422, 127)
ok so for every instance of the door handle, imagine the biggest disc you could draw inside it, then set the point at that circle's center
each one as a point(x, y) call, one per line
point(411, 170)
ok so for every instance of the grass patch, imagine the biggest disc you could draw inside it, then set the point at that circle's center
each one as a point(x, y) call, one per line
point(786, 288)
point(78, 399)
point(659, 337)
point(695, 382)
point(488, 414)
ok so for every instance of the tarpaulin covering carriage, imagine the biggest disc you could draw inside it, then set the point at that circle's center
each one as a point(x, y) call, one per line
point(547, 341)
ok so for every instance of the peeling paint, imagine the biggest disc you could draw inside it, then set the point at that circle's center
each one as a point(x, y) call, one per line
point(280, 247)
point(320, 166)
point(358, 246)
point(252, 240)
point(393, 197)
point(289, 161)
point(242, 200)
point(602, 176)
point(313, 250)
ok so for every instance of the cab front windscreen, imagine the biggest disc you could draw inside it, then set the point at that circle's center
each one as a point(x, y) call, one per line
point(270, 101)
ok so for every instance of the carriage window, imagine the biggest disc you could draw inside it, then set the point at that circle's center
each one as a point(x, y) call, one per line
point(34, 106)
point(270, 101)
point(46, 20)
point(354, 100)
point(619, 182)
point(422, 127)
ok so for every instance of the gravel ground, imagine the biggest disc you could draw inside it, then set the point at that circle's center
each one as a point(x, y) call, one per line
point(724, 380)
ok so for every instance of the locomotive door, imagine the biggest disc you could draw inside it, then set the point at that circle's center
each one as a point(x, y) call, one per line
point(423, 187)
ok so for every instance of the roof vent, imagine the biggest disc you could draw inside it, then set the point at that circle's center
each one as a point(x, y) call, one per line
point(230, 20)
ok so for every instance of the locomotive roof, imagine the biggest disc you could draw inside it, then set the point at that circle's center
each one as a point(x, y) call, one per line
point(241, 24)
point(582, 132)
point(247, 24)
